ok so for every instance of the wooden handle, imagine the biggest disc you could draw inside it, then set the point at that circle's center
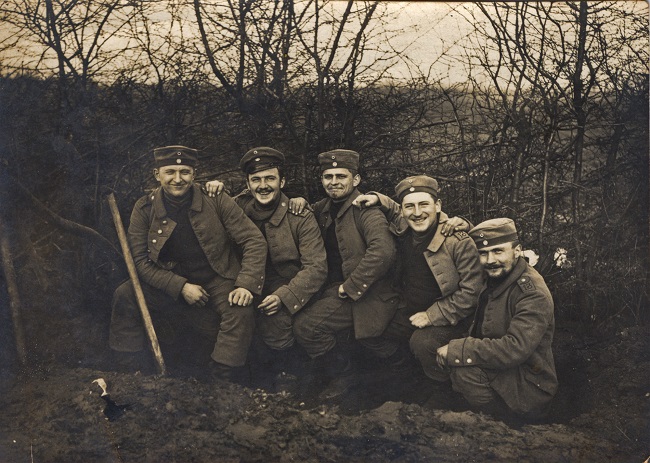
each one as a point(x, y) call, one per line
point(133, 274)
point(14, 296)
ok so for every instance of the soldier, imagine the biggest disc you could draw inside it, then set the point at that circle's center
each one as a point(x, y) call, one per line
point(296, 266)
point(506, 362)
point(439, 274)
point(358, 294)
point(183, 245)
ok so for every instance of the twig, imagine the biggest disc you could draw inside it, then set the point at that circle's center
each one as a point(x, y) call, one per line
point(66, 224)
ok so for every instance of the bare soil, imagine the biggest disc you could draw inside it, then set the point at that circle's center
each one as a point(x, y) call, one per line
point(55, 413)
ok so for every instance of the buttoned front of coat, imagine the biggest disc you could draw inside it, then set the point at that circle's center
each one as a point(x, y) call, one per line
point(220, 226)
point(517, 328)
point(296, 251)
point(368, 253)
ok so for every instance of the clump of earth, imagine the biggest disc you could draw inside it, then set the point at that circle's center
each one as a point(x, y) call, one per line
point(54, 412)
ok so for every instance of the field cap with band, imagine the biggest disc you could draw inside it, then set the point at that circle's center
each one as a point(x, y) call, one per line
point(493, 232)
point(339, 159)
point(175, 156)
point(417, 183)
point(261, 158)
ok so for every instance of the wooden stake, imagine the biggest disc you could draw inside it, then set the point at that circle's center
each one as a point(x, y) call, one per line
point(14, 296)
point(142, 304)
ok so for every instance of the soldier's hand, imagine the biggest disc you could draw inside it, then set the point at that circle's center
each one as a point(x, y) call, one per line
point(420, 320)
point(298, 205)
point(214, 188)
point(270, 305)
point(240, 296)
point(342, 293)
point(365, 201)
point(194, 294)
point(441, 356)
point(452, 225)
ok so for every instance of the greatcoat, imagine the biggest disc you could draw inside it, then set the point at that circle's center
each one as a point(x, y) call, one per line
point(515, 347)
point(296, 251)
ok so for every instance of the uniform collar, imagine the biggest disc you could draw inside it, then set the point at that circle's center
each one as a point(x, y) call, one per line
point(159, 205)
point(280, 211)
point(519, 268)
point(438, 238)
point(346, 204)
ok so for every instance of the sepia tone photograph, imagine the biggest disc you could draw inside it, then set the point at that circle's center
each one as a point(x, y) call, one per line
point(324, 231)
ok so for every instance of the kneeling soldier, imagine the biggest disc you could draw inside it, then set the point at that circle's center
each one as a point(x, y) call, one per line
point(184, 247)
point(506, 363)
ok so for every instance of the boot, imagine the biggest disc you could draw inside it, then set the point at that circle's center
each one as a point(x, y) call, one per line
point(218, 372)
point(400, 362)
point(338, 366)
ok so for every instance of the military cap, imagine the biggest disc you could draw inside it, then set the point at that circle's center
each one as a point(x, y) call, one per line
point(339, 159)
point(417, 183)
point(493, 232)
point(260, 158)
point(175, 155)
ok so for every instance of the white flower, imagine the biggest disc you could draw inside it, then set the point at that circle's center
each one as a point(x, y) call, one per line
point(531, 257)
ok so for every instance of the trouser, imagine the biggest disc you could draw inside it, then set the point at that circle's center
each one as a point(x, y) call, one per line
point(425, 342)
point(231, 326)
point(316, 327)
point(275, 330)
point(474, 384)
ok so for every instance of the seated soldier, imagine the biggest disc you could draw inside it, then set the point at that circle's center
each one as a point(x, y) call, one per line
point(506, 363)
point(439, 275)
point(296, 266)
point(186, 248)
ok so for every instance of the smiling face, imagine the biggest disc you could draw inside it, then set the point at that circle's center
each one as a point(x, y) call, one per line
point(265, 185)
point(339, 183)
point(420, 210)
point(499, 260)
point(175, 180)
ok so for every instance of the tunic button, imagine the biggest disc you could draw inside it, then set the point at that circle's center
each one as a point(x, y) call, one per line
point(164, 222)
point(152, 197)
point(295, 306)
point(358, 292)
point(160, 232)
point(284, 204)
point(457, 361)
point(261, 278)
point(365, 286)
point(153, 241)
point(469, 360)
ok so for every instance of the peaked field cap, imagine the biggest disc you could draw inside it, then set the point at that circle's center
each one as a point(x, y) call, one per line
point(175, 155)
point(339, 159)
point(417, 183)
point(261, 158)
point(493, 232)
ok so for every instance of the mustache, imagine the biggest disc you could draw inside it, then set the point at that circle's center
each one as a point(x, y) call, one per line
point(493, 266)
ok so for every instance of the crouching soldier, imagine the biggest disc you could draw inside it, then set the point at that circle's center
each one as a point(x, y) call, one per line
point(506, 363)
point(184, 247)
point(296, 266)
point(439, 275)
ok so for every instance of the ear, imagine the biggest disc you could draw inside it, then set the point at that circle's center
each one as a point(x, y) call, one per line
point(438, 206)
point(519, 251)
point(156, 174)
point(282, 183)
point(356, 180)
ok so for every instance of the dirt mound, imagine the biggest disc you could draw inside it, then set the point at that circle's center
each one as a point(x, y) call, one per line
point(58, 416)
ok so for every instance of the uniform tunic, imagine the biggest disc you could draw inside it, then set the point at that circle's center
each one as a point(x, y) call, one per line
point(223, 233)
point(297, 264)
point(514, 351)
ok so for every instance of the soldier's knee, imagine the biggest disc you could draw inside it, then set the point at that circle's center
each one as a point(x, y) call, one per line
point(123, 292)
point(418, 343)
